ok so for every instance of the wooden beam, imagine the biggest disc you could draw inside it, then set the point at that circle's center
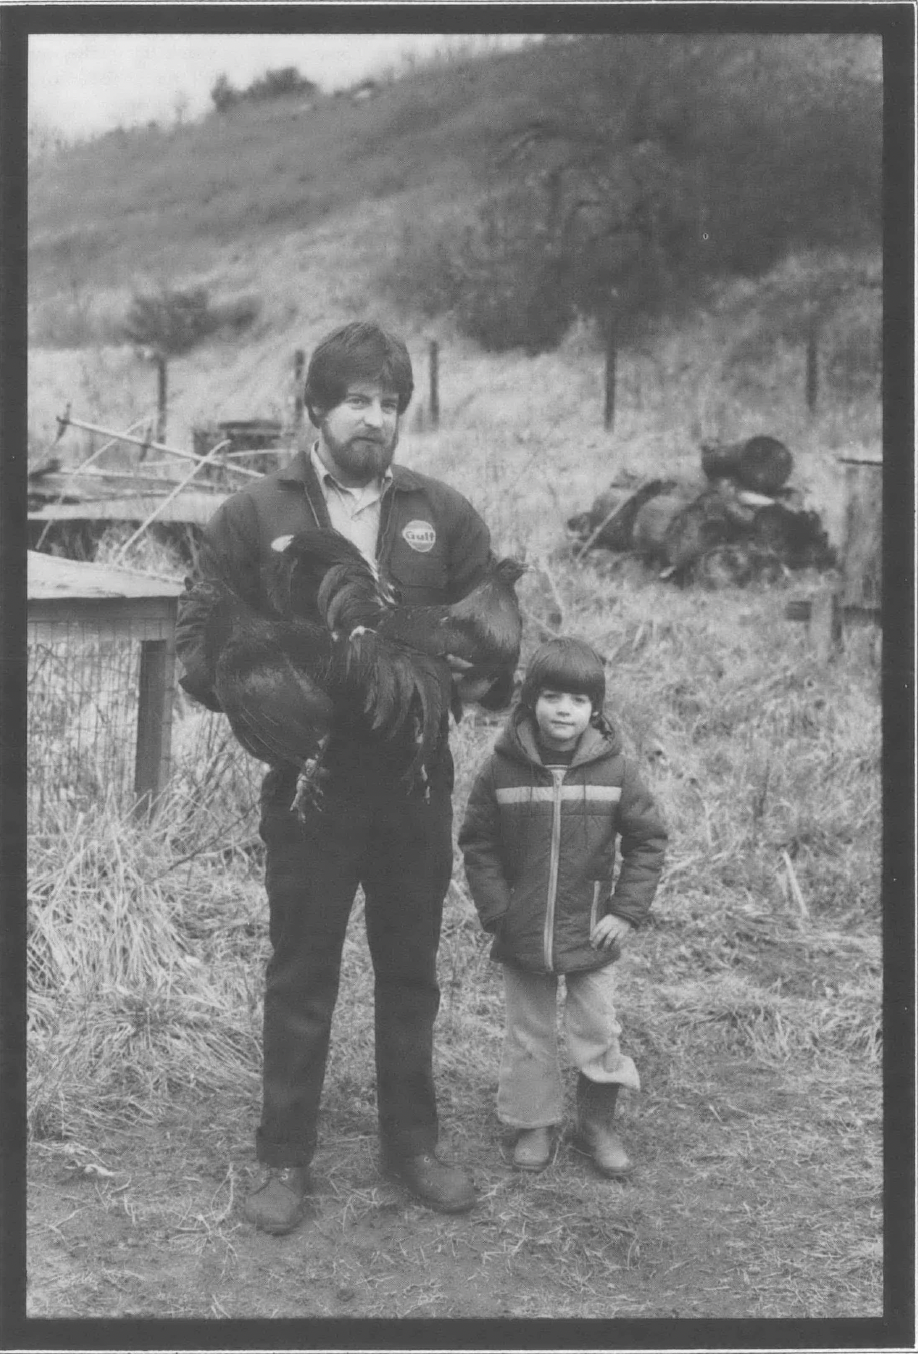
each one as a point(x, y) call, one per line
point(66, 421)
point(51, 619)
point(182, 484)
point(801, 609)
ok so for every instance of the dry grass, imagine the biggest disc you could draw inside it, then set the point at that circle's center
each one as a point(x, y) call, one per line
point(755, 1027)
point(132, 997)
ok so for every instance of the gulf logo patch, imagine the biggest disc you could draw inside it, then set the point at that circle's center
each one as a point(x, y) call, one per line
point(420, 535)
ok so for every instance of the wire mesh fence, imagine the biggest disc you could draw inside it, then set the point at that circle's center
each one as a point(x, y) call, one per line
point(83, 690)
point(84, 693)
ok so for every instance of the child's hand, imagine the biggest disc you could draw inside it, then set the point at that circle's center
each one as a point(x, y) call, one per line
point(610, 931)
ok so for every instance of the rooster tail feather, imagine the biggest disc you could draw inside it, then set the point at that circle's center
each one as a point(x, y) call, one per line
point(328, 597)
point(396, 691)
point(431, 684)
point(349, 596)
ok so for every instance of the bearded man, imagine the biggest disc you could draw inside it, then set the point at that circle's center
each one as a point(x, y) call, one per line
point(368, 829)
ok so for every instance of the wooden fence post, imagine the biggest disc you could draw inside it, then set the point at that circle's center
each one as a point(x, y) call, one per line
point(434, 352)
point(812, 365)
point(154, 721)
point(161, 399)
point(825, 624)
point(840, 611)
point(299, 363)
point(863, 544)
point(608, 416)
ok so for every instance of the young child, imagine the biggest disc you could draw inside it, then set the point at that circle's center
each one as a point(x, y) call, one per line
point(539, 845)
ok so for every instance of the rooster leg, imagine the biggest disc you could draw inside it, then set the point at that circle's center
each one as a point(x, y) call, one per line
point(309, 793)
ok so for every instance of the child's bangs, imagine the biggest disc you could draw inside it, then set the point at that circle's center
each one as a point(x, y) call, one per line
point(566, 665)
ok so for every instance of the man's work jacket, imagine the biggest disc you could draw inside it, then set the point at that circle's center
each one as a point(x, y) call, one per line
point(432, 545)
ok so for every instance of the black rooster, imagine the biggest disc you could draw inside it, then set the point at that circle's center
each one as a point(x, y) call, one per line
point(484, 629)
point(340, 654)
point(380, 689)
point(323, 570)
point(271, 677)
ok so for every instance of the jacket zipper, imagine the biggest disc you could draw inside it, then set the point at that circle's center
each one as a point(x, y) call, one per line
point(554, 859)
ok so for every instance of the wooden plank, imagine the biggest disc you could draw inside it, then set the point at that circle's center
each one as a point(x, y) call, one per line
point(154, 722)
point(92, 484)
point(801, 609)
point(196, 506)
point(50, 576)
point(67, 421)
point(50, 620)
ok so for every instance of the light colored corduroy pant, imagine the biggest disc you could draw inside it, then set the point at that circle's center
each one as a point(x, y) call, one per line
point(530, 1092)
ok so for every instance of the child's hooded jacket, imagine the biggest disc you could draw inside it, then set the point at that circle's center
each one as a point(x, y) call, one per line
point(539, 847)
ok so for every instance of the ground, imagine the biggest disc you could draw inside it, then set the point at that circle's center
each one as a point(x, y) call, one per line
point(731, 1213)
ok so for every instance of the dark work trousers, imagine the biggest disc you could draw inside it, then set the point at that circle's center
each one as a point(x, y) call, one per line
point(400, 849)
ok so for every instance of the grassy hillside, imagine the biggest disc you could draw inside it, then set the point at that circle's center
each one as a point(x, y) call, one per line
point(146, 201)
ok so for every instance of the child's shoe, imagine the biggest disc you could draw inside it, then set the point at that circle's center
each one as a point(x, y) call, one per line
point(594, 1133)
point(532, 1151)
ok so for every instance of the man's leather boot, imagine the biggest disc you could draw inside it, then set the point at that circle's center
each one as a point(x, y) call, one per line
point(594, 1133)
point(278, 1203)
point(445, 1188)
point(532, 1151)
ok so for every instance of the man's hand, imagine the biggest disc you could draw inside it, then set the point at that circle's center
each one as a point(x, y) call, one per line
point(610, 931)
point(468, 688)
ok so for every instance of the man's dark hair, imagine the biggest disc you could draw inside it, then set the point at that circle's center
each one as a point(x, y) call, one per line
point(565, 664)
point(359, 351)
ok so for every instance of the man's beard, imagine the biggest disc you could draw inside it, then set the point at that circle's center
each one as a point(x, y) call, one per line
point(359, 456)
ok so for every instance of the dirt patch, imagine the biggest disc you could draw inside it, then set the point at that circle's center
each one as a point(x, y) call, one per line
point(728, 1216)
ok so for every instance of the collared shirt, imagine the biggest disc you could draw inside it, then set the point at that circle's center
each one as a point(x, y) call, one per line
point(353, 512)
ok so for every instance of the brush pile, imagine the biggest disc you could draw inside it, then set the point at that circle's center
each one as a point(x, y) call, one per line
point(738, 523)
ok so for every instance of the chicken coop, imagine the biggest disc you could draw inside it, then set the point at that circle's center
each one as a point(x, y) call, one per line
point(101, 682)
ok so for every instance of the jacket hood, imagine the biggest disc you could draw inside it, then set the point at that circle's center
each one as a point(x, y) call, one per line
point(518, 741)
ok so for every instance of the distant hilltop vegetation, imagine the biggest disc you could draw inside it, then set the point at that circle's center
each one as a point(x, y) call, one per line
point(573, 177)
